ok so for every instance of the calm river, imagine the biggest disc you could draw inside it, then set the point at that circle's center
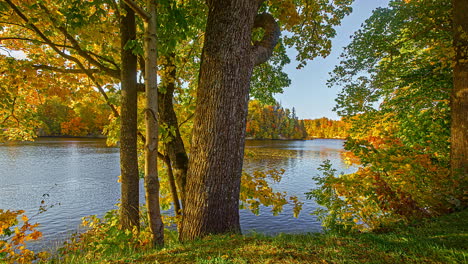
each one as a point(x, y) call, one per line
point(79, 177)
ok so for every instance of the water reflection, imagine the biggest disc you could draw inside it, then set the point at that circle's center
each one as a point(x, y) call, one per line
point(300, 160)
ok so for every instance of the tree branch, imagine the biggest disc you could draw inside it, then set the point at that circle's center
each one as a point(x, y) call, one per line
point(40, 34)
point(117, 67)
point(63, 54)
point(77, 47)
point(34, 40)
point(138, 9)
point(65, 70)
point(63, 46)
point(262, 50)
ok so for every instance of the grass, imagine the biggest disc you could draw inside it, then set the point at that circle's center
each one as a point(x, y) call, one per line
point(441, 240)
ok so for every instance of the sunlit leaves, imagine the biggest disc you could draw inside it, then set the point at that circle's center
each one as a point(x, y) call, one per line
point(104, 236)
point(14, 234)
point(326, 128)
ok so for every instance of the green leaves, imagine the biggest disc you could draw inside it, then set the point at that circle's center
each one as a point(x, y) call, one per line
point(311, 24)
point(136, 46)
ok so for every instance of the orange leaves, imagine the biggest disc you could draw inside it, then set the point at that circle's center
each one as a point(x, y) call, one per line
point(74, 127)
point(13, 243)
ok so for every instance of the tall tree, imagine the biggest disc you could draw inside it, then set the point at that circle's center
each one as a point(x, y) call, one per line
point(151, 147)
point(213, 183)
point(228, 59)
point(459, 97)
point(128, 129)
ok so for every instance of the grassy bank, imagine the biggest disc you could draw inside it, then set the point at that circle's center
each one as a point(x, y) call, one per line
point(442, 240)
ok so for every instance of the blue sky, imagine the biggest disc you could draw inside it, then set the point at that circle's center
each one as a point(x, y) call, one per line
point(308, 92)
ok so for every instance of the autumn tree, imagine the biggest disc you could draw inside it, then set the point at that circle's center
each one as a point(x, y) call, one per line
point(211, 203)
point(130, 199)
point(459, 96)
point(152, 185)
point(61, 38)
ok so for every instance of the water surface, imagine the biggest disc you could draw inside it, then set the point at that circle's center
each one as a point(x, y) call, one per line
point(79, 177)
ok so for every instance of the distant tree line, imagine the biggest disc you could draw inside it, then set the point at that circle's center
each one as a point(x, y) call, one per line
point(275, 122)
point(326, 128)
point(60, 116)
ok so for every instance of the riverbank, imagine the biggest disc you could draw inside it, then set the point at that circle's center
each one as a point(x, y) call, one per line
point(441, 240)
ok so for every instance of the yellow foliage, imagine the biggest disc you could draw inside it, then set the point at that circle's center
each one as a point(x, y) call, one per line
point(13, 244)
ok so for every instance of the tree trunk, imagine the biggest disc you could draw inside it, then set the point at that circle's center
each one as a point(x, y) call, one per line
point(172, 186)
point(459, 97)
point(175, 148)
point(129, 211)
point(213, 181)
point(151, 146)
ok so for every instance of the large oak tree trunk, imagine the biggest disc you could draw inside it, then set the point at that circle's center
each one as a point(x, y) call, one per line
point(211, 202)
point(129, 214)
point(459, 98)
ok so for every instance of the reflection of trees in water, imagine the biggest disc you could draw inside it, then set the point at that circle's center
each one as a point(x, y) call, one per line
point(265, 158)
point(260, 158)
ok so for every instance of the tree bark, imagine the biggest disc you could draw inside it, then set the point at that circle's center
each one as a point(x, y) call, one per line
point(175, 147)
point(129, 211)
point(173, 187)
point(151, 145)
point(211, 202)
point(459, 96)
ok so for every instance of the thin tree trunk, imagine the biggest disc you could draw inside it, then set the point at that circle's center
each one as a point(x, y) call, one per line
point(459, 97)
point(151, 145)
point(172, 185)
point(175, 147)
point(129, 215)
point(211, 202)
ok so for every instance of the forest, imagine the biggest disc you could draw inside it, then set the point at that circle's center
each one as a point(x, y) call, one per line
point(180, 85)
point(266, 121)
point(275, 122)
